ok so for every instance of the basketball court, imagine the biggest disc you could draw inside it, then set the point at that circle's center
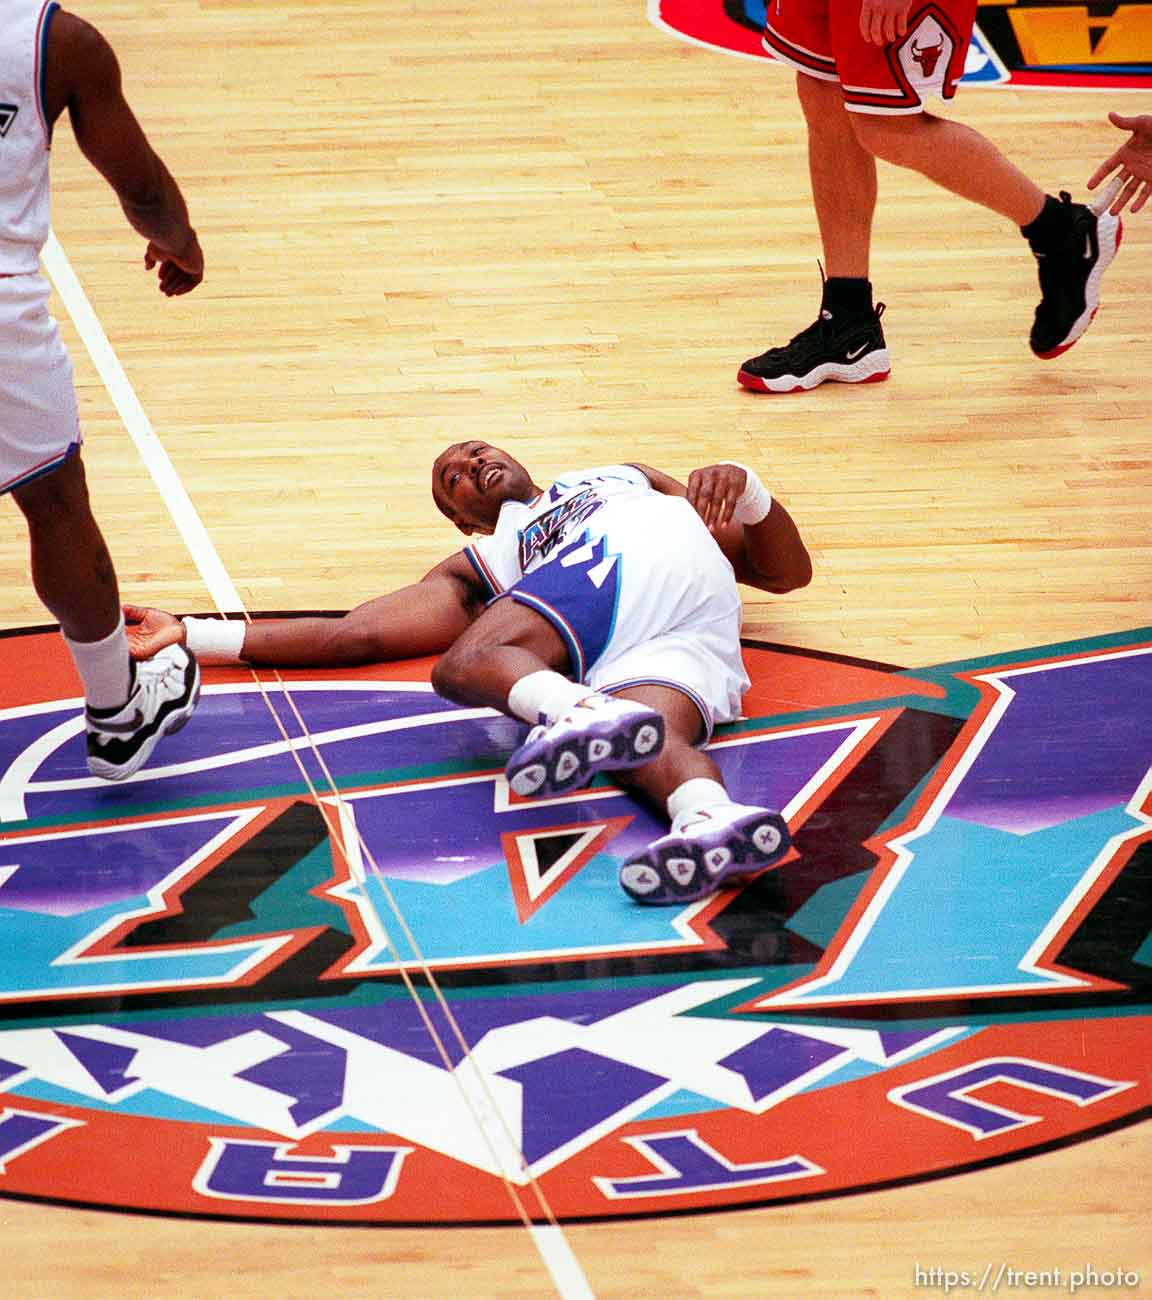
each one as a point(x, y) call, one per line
point(316, 1003)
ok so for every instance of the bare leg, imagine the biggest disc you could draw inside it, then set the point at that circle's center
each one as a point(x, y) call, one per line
point(71, 568)
point(843, 175)
point(506, 643)
point(955, 157)
point(680, 760)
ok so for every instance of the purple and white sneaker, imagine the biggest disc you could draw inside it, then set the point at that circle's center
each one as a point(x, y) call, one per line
point(599, 734)
point(709, 848)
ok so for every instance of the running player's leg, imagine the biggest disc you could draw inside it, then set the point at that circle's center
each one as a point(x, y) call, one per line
point(128, 711)
point(845, 342)
point(71, 568)
point(843, 177)
point(885, 89)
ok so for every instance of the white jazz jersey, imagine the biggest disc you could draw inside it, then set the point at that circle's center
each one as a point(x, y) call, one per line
point(24, 134)
point(631, 579)
point(39, 425)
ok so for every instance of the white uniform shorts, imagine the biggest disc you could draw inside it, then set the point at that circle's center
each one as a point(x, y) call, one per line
point(39, 423)
point(663, 610)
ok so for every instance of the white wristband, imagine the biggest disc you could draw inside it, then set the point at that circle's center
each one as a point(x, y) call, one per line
point(755, 501)
point(217, 639)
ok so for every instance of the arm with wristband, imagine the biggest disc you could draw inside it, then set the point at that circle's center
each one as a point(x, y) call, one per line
point(422, 619)
point(753, 529)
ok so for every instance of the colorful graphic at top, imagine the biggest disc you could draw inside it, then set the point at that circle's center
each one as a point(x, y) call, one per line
point(1024, 43)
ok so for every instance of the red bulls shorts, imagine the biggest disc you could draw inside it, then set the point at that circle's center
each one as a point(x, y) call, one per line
point(822, 38)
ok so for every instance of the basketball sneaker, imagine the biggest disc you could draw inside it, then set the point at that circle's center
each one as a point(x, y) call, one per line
point(120, 741)
point(706, 849)
point(850, 351)
point(1070, 274)
point(601, 733)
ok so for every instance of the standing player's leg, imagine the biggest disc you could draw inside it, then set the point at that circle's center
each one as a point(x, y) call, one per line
point(128, 709)
point(712, 840)
point(515, 660)
point(845, 342)
point(1073, 243)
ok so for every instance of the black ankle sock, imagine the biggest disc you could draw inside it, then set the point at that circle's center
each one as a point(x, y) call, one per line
point(1049, 226)
point(845, 297)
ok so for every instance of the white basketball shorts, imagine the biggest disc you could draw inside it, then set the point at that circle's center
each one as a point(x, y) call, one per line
point(39, 422)
point(653, 602)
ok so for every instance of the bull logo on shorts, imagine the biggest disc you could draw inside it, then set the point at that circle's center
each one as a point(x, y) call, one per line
point(7, 117)
point(927, 56)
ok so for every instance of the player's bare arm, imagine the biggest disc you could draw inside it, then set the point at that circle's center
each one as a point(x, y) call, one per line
point(770, 555)
point(82, 75)
point(424, 618)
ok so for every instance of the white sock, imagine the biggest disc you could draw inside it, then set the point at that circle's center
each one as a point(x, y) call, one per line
point(694, 794)
point(105, 668)
point(544, 695)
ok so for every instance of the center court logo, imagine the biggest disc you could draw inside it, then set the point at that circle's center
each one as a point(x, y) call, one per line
point(220, 1001)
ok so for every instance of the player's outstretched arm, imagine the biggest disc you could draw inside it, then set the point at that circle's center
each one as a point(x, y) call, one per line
point(422, 619)
point(753, 529)
point(82, 74)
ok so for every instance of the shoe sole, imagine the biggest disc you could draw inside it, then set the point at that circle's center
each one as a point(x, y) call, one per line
point(1110, 241)
point(550, 767)
point(681, 870)
point(173, 723)
point(872, 369)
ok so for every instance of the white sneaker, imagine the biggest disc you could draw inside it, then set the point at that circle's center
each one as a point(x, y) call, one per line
point(121, 742)
point(601, 733)
point(706, 849)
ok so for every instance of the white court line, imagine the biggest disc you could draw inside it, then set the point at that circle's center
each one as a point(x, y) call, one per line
point(551, 1244)
point(556, 1251)
point(152, 453)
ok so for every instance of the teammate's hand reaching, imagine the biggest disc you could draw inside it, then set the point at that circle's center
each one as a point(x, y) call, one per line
point(150, 630)
point(1131, 164)
point(180, 271)
point(714, 492)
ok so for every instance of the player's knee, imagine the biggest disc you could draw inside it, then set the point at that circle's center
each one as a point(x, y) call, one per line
point(452, 671)
point(900, 141)
point(56, 499)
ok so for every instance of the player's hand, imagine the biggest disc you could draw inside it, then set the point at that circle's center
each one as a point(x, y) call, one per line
point(714, 491)
point(1131, 163)
point(181, 270)
point(882, 21)
point(150, 630)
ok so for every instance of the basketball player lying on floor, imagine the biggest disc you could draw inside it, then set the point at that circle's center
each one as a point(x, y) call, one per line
point(603, 610)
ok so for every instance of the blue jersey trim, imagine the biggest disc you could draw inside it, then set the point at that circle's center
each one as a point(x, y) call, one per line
point(46, 468)
point(482, 572)
point(46, 17)
point(560, 623)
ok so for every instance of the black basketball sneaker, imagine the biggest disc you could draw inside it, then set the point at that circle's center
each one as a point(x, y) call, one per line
point(850, 350)
point(120, 741)
point(1071, 268)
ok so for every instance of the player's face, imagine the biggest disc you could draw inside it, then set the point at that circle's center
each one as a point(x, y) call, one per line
point(472, 480)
